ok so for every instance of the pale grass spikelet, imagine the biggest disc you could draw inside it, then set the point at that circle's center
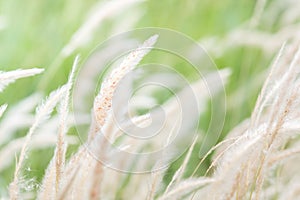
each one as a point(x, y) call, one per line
point(9, 77)
point(266, 92)
point(42, 113)
point(64, 105)
point(64, 110)
point(232, 170)
point(44, 110)
point(186, 187)
point(179, 173)
point(2, 109)
point(57, 164)
point(90, 72)
point(69, 177)
point(102, 103)
point(277, 118)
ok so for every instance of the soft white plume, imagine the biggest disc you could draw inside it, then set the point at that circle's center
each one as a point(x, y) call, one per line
point(2, 109)
point(42, 113)
point(9, 77)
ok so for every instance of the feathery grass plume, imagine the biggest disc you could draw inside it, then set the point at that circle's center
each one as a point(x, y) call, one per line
point(276, 122)
point(89, 73)
point(64, 110)
point(275, 157)
point(245, 162)
point(103, 101)
point(82, 161)
point(179, 173)
point(267, 91)
point(11, 76)
point(56, 166)
point(2, 109)
point(43, 112)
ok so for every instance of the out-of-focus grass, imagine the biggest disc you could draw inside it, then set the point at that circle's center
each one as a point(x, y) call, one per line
point(36, 32)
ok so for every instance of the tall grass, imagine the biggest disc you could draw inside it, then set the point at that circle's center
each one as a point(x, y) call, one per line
point(257, 159)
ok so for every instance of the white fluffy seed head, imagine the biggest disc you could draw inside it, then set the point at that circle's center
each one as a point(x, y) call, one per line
point(103, 101)
point(9, 77)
